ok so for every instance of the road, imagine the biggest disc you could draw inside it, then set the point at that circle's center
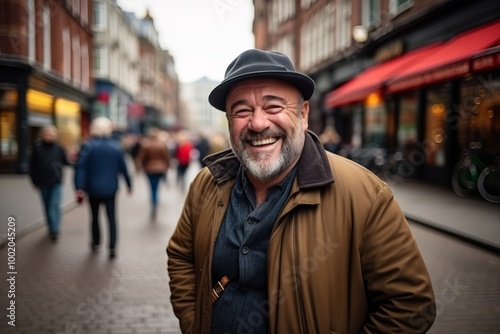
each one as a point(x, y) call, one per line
point(65, 288)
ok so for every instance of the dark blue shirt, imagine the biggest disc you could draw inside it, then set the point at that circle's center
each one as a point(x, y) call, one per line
point(241, 254)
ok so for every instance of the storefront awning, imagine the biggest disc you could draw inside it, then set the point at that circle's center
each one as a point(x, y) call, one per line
point(427, 65)
point(451, 60)
point(373, 78)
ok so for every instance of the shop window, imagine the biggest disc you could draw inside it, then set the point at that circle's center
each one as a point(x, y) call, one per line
point(479, 117)
point(407, 125)
point(375, 121)
point(437, 111)
point(8, 137)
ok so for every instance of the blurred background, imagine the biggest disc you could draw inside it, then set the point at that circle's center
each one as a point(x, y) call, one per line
point(408, 88)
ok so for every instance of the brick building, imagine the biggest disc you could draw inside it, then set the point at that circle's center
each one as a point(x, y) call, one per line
point(45, 74)
point(416, 79)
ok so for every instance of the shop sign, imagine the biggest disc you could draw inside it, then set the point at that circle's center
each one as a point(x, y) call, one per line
point(432, 77)
point(486, 62)
point(390, 51)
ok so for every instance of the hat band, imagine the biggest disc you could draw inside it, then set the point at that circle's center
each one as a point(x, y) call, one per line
point(256, 68)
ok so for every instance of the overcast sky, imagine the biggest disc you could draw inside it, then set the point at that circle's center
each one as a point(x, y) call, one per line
point(204, 36)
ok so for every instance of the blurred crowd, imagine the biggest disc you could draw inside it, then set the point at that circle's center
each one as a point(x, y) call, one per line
point(101, 160)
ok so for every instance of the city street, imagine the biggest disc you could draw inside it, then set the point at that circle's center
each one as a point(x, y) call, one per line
point(65, 288)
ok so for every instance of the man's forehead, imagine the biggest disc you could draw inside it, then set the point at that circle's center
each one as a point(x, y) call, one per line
point(262, 84)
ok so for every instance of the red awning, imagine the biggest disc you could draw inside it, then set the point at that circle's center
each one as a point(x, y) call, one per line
point(373, 78)
point(427, 65)
point(451, 60)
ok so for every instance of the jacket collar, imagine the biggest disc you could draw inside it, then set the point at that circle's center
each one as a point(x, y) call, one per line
point(313, 169)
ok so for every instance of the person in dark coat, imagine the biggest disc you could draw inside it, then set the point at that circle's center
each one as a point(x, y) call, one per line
point(100, 162)
point(46, 172)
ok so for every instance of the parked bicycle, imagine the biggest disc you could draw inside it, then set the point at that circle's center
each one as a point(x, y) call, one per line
point(472, 173)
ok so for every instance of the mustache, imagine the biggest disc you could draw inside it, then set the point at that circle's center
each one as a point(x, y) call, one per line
point(251, 135)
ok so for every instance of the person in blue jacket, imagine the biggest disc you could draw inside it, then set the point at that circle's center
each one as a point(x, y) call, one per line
point(100, 162)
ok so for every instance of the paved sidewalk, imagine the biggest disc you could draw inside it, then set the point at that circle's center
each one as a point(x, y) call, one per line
point(472, 219)
point(66, 288)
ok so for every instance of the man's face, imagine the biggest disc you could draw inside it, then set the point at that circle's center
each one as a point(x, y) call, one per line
point(267, 123)
point(49, 135)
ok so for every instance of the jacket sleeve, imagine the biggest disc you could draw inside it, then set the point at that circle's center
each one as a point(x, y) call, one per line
point(398, 285)
point(124, 170)
point(181, 270)
point(139, 159)
point(81, 170)
point(32, 169)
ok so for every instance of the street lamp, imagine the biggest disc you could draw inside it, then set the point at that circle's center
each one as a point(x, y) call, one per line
point(360, 34)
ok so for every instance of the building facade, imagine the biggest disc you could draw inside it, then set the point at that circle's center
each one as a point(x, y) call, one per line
point(204, 118)
point(169, 105)
point(414, 79)
point(116, 62)
point(45, 74)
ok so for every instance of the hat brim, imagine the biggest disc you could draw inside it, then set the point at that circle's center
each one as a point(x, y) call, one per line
point(304, 84)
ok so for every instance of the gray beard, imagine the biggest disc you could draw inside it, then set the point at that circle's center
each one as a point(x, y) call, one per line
point(264, 169)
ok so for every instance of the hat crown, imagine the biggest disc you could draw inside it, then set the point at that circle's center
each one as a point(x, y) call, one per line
point(258, 60)
point(255, 63)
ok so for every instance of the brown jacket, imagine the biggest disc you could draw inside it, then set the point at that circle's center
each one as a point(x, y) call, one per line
point(341, 257)
point(153, 157)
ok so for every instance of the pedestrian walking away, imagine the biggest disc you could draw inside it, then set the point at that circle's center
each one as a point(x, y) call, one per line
point(46, 172)
point(154, 159)
point(278, 235)
point(100, 162)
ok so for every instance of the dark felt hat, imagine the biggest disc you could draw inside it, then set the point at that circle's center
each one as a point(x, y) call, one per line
point(258, 63)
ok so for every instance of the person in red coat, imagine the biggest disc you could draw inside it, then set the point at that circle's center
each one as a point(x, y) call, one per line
point(183, 155)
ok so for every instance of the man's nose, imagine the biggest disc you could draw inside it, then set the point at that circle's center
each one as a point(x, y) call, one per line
point(259, 120)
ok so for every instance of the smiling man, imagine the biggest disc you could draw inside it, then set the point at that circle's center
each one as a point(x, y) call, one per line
point(279, 236)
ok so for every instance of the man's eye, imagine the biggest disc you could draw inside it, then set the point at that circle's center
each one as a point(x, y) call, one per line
point(242, 113)
point(274, 109)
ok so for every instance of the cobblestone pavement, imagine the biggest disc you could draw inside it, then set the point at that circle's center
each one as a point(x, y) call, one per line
point(65, 288)
point(466, 282)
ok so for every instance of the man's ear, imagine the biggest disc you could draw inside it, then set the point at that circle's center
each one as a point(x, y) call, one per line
point(305, 114)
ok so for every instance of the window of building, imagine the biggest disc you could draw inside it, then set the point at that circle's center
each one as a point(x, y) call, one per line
point(46, 37)
point(344, 24)
point(370, 13)
point(398, 6)
point(479, 116)
point(8, 136)
point(84, 12)
point(76, 60)
point(76, 7)
point(66, 46)
point(407, 134)
point(31, 30)
point(99, 16)
point(85, 65)
point(436, 112)
point(100, 61)
point(375, 121)
point(305, 4)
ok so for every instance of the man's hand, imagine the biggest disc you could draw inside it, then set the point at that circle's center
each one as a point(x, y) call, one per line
point(80, 194)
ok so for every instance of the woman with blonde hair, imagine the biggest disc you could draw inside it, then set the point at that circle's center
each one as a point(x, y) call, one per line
point(100, 162)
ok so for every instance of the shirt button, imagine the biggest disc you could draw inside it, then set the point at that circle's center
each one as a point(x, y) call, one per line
point(245, 249)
